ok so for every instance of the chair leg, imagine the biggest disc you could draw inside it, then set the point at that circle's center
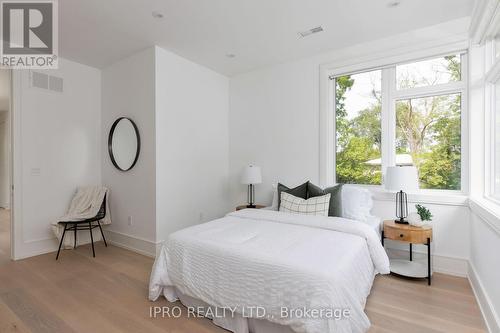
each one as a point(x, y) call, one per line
point(60, 243)
point(74, 226)
point(102, 234)
point(91, 239)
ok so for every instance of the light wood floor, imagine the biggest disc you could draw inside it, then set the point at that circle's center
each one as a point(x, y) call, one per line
point(4, 235)
point(109, 294)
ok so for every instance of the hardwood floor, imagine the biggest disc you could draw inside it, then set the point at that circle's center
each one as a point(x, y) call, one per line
point(109, 294)
point(4, 235)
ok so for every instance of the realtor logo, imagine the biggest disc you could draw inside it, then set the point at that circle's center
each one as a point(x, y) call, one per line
point(29, 34)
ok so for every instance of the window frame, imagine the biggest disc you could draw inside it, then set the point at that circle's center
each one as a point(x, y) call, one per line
point(492, 77)
point(390, 95)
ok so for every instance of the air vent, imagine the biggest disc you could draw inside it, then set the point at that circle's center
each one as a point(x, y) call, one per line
point(55, 83)
point(39, 80)
point(310, 31)
point(46, 82)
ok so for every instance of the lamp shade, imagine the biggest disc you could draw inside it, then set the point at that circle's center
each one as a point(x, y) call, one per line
point(251, 175)
point(401, 179)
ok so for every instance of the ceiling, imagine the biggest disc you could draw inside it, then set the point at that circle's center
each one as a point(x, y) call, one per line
point(258, 32)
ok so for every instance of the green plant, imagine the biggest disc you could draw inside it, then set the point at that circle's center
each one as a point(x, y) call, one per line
point(425, 214)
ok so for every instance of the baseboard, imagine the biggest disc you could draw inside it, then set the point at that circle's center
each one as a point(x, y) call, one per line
point(490, 316)
point(131, 243)
point(36, 248)
point(440, 264)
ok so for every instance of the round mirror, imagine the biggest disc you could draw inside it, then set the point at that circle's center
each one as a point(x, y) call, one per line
point(124, 144)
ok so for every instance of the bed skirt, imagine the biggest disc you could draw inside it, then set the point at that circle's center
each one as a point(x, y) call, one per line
point(236, 323)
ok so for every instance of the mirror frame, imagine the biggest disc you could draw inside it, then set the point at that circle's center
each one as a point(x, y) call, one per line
point(110, 143)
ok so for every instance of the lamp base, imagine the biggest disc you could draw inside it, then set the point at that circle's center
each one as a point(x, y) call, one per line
point(401, 207)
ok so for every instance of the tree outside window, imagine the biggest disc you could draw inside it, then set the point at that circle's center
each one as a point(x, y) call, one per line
point(428, 128)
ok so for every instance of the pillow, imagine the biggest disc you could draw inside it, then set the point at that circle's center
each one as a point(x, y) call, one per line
point(356, 203)
point(299, 191)
point(314, 206)
point(274, 204)
point(335, 208)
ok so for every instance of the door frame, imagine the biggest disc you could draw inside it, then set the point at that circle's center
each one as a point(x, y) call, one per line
point(12, 171)
point(10, 122)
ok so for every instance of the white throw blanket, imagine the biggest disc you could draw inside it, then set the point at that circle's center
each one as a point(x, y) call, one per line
point(85, 204)
point(271, 259)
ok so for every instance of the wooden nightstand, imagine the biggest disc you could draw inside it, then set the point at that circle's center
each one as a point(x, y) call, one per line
point(412, 235)
point(245, 206)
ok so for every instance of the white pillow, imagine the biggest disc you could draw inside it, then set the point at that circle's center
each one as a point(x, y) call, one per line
point(313, 206)
point(356, 203)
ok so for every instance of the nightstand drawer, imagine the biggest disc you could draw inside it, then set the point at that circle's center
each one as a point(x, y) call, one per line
point(408, 234)
point(396, 234)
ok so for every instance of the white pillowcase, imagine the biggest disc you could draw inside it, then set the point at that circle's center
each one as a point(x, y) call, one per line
point(312, 206)
point(356, 203)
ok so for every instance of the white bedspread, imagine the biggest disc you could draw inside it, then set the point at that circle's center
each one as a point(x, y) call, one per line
point(272, 260)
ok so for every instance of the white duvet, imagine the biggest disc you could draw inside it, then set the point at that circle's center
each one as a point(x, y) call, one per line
point(275, 261)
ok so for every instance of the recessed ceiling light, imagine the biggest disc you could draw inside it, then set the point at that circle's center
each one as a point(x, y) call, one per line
point(231, 55)
point(157, 15)
point(310, 31)
point(393, 4)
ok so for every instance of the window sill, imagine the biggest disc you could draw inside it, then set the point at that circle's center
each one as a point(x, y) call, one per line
point(449, 198)
point(488, 211)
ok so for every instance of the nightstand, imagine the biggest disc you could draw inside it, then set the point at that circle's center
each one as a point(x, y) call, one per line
point(412, 235)
point(245, 206)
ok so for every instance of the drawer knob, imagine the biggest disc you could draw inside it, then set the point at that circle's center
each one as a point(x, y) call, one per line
point(401, 235)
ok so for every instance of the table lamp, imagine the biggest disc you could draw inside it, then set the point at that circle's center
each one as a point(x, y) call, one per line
point(251, 176)
point(401, 179)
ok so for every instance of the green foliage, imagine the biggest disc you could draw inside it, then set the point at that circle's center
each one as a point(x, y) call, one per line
point(343, 84)
point(425, 214)
point(358, 140)
point(350, 162)
point(427, 128)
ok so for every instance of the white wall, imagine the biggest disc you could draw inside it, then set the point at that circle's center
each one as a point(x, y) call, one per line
point(57, 148)
point(484, 271)
point(274, 123)
point(181, 176)
point(4, 159)
point(128, 90)
point(191, 143)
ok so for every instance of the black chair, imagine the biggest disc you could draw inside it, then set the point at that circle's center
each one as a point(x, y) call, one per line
point(80, 225)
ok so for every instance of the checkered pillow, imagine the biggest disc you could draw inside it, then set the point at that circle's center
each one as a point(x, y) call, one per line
point(313, 206)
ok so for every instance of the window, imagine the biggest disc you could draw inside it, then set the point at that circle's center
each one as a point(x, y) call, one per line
point(428, 72)
point(357, 119)
point(428, 130)
point(492, 146)
point(405, 114)
point(496, 145)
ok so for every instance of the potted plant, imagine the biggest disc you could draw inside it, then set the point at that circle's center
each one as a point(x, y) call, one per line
point(421, 217)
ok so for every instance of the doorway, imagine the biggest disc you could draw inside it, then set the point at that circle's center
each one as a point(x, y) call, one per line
point(5, 167)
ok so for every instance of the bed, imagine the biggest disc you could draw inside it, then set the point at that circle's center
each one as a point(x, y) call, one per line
point(243, 261)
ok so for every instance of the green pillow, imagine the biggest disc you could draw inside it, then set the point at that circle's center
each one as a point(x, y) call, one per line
point(335, 208)
point(299, 191)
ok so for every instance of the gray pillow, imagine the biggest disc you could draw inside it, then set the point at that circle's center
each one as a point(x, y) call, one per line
point(335, 197)
point(299, 191)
